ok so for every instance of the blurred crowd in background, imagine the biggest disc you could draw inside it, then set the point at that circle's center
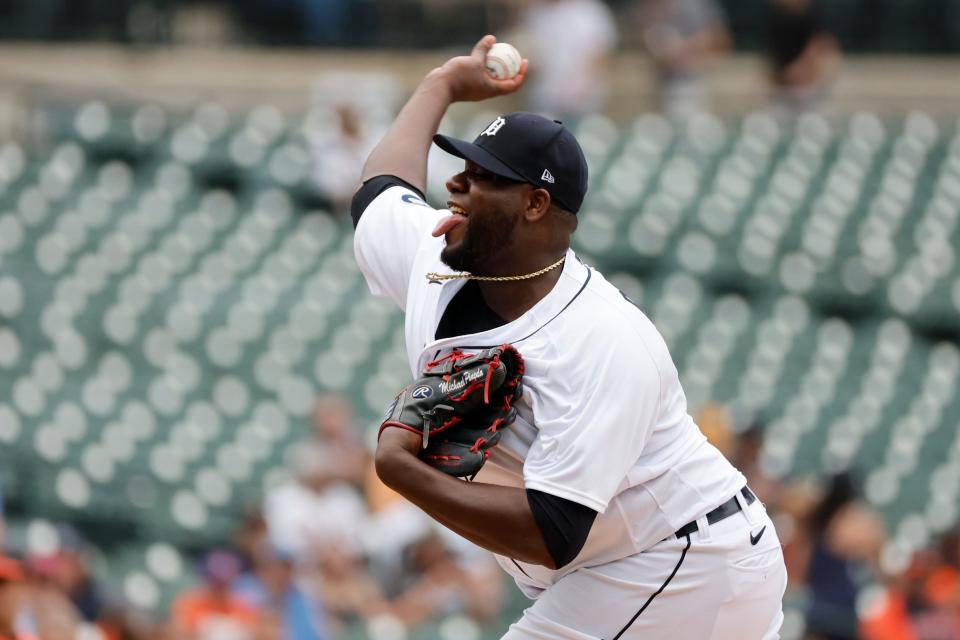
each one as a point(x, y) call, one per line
point(682, 39)
point(335, 550)
point(833, 546)
point(332, 549)
point(865, 25)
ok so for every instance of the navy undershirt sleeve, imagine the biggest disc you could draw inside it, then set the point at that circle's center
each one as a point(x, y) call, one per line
point(371, 189)
point(564, 524)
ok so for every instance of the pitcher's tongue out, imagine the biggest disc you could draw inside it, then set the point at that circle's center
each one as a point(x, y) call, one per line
point(448, 223)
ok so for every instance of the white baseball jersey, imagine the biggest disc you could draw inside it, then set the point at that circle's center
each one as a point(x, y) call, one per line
point(603, 420)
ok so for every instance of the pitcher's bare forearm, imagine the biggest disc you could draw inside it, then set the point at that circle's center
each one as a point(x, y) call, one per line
point(403, 150)
point(496, 518)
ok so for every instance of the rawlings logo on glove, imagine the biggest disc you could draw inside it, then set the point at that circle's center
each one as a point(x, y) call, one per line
point(459, 407)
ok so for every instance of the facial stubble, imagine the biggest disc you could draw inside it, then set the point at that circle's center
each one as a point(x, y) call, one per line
point(483, 238)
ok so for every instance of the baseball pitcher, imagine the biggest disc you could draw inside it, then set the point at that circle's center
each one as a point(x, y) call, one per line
point(546, 389)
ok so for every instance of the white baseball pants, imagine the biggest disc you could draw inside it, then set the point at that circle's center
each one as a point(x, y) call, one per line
point(725, 582)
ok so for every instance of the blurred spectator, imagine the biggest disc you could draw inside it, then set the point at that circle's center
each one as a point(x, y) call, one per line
point(212, 611)
point(922, 603)
point(437, 585)
point(715, 423)
point(11, 594)
point(570, 81)
point(746, 457)
point(324, 506)
point(251, 536)
point(481, 578)
point(442, 574)
point(791, 510)
point(313, 22)
point(70, 572)
point(845, 538)
point(339, 156)
point(943, 583)
point(888, 619)
point(324, 21)
point(316, 511)
point(128, 623)
point(682, 38)
point(36, 606)
point(937, 615)
point(335, 433)
point(803, 55)
point(392, 526)
point(3, 525)
point(346, 588)
point(379, 496)
point(271, 589)
point(32, 604)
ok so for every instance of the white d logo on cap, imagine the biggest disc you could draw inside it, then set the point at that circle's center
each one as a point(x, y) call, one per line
point(494, 126)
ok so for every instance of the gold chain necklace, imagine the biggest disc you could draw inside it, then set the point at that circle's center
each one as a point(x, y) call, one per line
point(433, 276)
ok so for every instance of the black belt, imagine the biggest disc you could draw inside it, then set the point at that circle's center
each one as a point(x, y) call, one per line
point(725, 510)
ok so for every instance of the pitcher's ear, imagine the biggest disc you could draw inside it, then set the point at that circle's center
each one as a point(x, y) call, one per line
point(537, 205)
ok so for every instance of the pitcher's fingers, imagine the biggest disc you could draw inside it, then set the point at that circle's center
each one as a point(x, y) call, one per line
point(522, 73)
point(509, 85)
point(482, 47)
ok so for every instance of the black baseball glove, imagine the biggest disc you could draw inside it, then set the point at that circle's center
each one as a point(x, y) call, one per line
point(459, 406)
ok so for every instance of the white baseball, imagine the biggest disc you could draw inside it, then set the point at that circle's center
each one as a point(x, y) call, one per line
point(503, 61)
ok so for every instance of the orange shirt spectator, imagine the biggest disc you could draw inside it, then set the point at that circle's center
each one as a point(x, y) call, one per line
point(212, 611)
point(943, 586)
point(197, 609)
point(890, 620)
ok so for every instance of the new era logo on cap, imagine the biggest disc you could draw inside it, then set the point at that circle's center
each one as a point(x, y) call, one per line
point(547, 176)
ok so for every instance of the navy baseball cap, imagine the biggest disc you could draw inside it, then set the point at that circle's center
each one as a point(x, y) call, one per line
point(527, 147)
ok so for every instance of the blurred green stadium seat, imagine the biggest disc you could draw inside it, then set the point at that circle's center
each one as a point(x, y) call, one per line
point(170, 306)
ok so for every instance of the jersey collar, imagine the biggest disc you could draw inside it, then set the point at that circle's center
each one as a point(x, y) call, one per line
point(572, 279)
